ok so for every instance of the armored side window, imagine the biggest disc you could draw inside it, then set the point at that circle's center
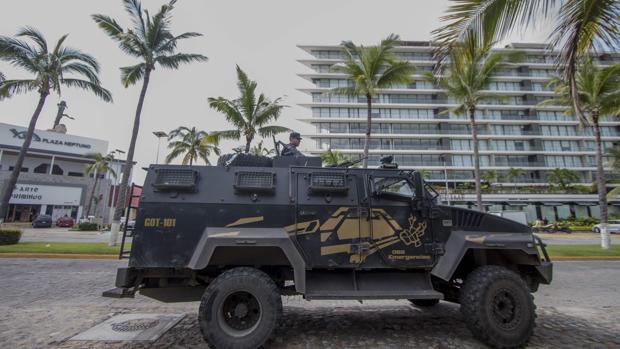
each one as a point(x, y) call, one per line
point(169, 179)
point(328, 182)
point(255, 181)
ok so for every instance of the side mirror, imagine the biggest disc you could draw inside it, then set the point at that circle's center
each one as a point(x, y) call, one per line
point(418, 184)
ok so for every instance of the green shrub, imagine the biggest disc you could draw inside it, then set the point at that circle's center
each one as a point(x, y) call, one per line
point(87, 226)
point(10, 236)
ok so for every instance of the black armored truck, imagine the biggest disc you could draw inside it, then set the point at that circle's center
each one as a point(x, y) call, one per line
point(239, 236)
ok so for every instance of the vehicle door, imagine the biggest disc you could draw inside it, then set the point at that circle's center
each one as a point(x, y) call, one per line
point(399, 224)
point(328, 216)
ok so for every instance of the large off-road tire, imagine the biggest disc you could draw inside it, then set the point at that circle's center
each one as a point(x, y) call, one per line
point(497, 307)
point(243, 159)
point(424, 302)
point(240, 309)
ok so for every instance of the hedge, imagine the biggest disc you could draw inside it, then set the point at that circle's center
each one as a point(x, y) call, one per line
point(10, 236)
point(87, 226)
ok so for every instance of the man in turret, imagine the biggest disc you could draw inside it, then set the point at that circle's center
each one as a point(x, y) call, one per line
point(290, 149)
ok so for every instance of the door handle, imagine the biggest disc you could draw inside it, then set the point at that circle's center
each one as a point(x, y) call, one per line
point(307, 213)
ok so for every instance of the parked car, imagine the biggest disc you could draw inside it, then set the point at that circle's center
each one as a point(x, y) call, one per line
point(613, 226)
point(42, 221)
point(130, 225)
point(65, 221)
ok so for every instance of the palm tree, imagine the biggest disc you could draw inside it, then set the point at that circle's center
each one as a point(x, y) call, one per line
point(471, 69)
point(52, 68)
point(259, 149)
point(614, 155)
point(581, 26)
point(514, 173)
point(369, 69)
point(598, 90)
point(193, 144)
point(100, 167)
point(332, 158)
point(562, 177)
point(151, 41)
point(490, 177)
point(248, 114)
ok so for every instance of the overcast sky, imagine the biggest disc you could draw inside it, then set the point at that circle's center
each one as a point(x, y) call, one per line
point(260, 36)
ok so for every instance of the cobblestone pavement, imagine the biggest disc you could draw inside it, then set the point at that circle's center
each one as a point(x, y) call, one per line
point(45, 302)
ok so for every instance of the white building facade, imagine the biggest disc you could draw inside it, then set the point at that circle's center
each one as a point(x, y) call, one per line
point(411, 123)
point(53, 179)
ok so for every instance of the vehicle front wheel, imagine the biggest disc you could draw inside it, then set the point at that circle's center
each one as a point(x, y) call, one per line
point(596, 230)
point(424, 302)
point(240, 309)
point(498, 307)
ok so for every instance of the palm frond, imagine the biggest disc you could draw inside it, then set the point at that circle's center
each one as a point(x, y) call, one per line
point(228, 134)
point(109, 26)
point(269, 131)
point(171, 44)
point(14, 87)
point(96, 89)
point(35, 35)
point(133, 74)
point(229, 109)
point(174, 61)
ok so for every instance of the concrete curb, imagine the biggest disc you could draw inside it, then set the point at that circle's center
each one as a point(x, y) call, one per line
point(59, 255)
point(113, 256)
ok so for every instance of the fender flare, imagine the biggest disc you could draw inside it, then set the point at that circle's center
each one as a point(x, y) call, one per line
point(214, 237)
point(461, 241)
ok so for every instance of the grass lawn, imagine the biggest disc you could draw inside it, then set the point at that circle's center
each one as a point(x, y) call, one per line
point(63, 247)
point(103, 248)
point(582, 250)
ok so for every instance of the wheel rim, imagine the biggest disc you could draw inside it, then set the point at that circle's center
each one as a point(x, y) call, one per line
point(239, 314)
point(506, 310)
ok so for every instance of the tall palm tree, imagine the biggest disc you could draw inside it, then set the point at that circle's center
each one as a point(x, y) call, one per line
point(100, 166)
point(248, 114)
point(598, 90)
point(52, 68)
point(512, 174)
point(472, 65)
point(193, 144)
point(581, 26)
point(151, 41)
point(369, 69)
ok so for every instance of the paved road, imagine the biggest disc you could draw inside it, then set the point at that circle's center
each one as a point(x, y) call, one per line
point(43, 302)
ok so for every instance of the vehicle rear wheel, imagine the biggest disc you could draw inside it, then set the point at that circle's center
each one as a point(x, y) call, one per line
point(424, 302)
point(240, 309)
point(498, 307)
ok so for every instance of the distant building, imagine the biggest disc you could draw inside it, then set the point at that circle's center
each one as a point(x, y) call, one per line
point(514, 131)
point(52, 179)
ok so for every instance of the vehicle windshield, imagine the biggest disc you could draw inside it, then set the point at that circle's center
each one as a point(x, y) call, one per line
point(394, 185)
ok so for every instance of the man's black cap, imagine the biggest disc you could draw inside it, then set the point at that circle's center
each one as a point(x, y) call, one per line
point(295, 135)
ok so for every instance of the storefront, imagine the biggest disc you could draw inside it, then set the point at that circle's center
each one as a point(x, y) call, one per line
point(30, 200)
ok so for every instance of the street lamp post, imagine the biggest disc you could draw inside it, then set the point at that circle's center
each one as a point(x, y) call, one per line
point(118, 174)
point(159, 135)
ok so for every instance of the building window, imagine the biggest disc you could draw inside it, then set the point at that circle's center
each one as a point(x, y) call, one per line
point(23, 169)
point(75, 174)
point(41, 169)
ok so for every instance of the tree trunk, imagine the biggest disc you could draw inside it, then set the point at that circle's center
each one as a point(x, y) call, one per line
point(248, 141)
point(8, 190)
point(61, 111)
point(600, 178)
point(368, 130)
point(92, 195)
point(122, 191)
point(474, 137)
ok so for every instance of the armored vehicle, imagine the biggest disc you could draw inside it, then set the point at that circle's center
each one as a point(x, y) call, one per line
point(237, 237)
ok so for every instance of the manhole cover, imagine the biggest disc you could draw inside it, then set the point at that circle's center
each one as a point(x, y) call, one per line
point(135, 325)
point(130, 327)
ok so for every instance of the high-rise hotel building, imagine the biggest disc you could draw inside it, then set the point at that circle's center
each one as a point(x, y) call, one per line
point(410, 122)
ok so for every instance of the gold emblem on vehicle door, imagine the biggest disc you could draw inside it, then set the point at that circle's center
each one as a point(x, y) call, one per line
point(413, 235)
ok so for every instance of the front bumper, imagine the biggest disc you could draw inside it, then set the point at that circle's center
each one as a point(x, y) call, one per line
point(545, 269)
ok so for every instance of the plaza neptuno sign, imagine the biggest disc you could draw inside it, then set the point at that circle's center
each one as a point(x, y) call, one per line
point(13, 135)
point(35, 194)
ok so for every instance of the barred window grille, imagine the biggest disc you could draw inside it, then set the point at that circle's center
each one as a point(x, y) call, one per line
point(336, 182)
point(175, 179)
point(247, 180)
